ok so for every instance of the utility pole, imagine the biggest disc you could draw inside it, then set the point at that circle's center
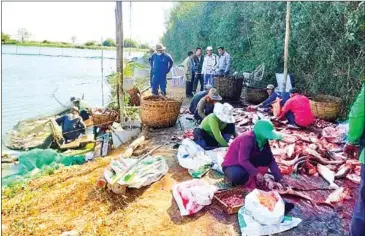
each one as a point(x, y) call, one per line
point(120, 58)
point(286, 46)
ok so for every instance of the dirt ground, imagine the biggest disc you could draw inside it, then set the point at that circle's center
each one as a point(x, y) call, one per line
point(68, 200)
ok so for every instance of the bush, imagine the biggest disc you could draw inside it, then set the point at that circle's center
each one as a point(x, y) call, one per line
point(144, 46)
point(5, 37)
point(109, 43)
point(90, 43)
point(128, 43)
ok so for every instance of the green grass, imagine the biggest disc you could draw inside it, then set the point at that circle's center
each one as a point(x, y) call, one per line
point(67, 45)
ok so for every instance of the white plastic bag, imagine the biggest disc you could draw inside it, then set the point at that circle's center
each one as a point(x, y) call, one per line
point(192, 156)
point(217, 156)
point(261, 213)
point(191, 196)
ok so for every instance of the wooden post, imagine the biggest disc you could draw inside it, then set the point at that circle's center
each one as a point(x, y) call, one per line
point(120, 58)
point(102, 73)
point(286, 46)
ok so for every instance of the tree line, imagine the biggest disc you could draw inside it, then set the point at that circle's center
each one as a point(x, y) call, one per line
point(326, 48)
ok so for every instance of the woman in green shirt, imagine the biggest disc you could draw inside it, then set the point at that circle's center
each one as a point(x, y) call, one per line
point(217, 128)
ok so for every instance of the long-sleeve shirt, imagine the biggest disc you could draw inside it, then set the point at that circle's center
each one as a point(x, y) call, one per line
point(198, 63)
point(213, 126)
point(194, 102)
point(244, 149)
point(202, 106)
point(161, 64)
point(210, 64)
point(224, 62)
point(356, 121)
point(300, 107)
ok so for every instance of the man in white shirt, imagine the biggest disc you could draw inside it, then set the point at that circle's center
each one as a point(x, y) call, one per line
point(224, 65)
point(210, 66)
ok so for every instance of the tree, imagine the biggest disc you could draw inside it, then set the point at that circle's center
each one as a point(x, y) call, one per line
point(24, 34)
point(144, 46)
point(73, 39)
point(4, 37)
point(109, 42)
point(130, 43)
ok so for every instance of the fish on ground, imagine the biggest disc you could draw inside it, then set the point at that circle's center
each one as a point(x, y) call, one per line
point(328, 175)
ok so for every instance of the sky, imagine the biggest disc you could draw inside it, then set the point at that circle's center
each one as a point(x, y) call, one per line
point(60, 21)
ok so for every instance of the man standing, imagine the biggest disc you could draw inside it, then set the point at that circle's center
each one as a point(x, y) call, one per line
point(198, 65)
point(356, 130)
point(189, 74)
point(210, 65)
point(161, 64)
point(224, 66)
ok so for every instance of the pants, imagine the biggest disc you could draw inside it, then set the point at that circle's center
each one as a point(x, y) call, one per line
point(189, 89)
point(208, 110)
point(237, 175)
point(221, 72)
point(357, 227)
point(159, 82)
point(290, 117)
point(203, 139)
point(208, 79)
point(151, 76)
point(198, 78)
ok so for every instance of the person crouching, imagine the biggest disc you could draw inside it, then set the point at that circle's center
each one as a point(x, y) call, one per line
point(206, 105)
point(249, 156)
point(217, 128)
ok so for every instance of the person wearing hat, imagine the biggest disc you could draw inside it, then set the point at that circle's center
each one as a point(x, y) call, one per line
point(161, 64)
point(197, 97)
point(206, 104)
point(71, 124)
point(83, 108)
point(210, 66)
point(217, 128)
point(297, 110)
point(355, 133)
point(273, 95)
point(225, 62)
point(249, 156)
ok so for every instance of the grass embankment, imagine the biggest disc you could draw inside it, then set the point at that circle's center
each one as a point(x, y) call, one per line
point(68, 45)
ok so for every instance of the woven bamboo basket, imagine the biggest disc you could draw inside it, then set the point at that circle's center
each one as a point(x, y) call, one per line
point(105, 119)
point(228, 87)
point(256, 95)
point(159, 112)
point(325, 107)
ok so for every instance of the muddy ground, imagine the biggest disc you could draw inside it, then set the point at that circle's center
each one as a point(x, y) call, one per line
point(68, 200)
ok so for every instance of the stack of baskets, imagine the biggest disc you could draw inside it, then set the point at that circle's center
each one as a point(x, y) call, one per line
point(256, 95)
point(325, 107)
point(103, 119)
point(228, 87)
point(159, 112)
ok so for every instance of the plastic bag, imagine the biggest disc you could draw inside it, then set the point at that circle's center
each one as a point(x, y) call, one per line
point(250, 227)
point(217, 156)
point(191, 196)
point(192, 156)
point(146, 172)
point(262, 214)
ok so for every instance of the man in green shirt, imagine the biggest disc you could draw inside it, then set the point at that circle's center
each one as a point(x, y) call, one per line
point(217, 128)
point(356, 131)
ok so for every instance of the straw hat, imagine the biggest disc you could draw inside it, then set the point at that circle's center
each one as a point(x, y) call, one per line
point(213, 94)
point(160, 47)
point(224, 112)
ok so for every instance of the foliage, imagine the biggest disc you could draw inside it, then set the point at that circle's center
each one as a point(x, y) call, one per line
point(24, 34)
point(5, 37)
point(130, 43)
point(109, 43)
point(326, 49)
point(144, 46)
point(90, 43)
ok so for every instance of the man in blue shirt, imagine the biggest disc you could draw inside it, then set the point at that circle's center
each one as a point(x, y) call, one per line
point(161, 64)
point(272, 97)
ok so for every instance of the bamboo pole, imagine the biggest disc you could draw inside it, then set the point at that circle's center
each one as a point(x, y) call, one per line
point(102, 73)
point(286, 46)
point(120, 58)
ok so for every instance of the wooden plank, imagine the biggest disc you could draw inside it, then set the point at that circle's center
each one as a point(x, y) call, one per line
point(286, 46)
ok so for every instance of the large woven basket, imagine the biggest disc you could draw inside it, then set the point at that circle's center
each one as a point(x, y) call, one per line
point(104, 119)
point(228, 87)
point(325, 107)
point(159, 112)
point(256, 95)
